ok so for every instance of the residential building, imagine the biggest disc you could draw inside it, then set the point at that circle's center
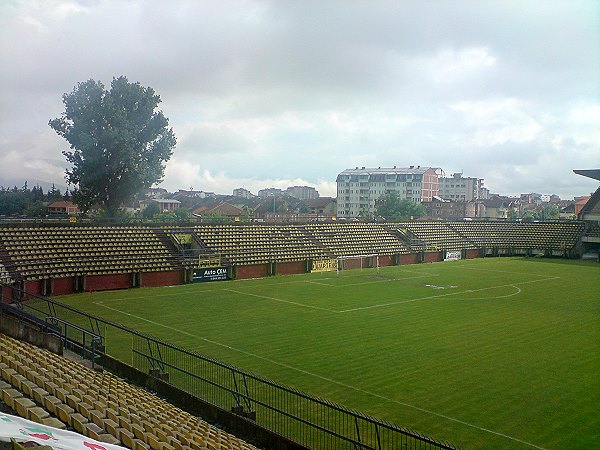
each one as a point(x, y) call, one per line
point(532, 198)
point(302, 192)
point(155, 192)
point(568, 212)
point(63, 207)
point(269, 192)
point(182, 193)
point(554, 199)
point(440, 208)
point(580, 202)
point(496, 208)
point(358, 189)
point(223, 209)
point(243, 193)
point(166, 204)
point(322, 207)
point(459, 188)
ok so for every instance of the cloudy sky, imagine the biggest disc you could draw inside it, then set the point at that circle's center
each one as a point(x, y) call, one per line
point(276, 93)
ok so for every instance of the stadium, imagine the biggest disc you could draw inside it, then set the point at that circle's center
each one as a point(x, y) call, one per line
point(419, 334)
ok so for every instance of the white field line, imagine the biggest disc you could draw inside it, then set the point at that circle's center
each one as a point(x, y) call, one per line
point(389, 280)
point(159, 295)
point(320, 284)
point(330, 380)
point(194, 289)
point(430, 297)
point(498, 271)
point(323, 284)
point(336, 277)
point(512, 294)
point(280, 300)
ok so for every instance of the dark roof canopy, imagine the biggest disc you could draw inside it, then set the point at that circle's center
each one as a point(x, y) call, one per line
point(590, 173)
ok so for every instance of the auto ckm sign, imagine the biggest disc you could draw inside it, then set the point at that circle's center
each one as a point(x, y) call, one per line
point(210, 274)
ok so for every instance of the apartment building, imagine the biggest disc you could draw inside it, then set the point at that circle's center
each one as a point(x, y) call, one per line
point(302, 192)
point(358, 189)
point(462, 189)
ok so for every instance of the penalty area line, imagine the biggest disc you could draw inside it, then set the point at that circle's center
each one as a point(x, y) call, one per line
point(390, 280)
point(431, 297)
point(280, 300)
point(321, 377)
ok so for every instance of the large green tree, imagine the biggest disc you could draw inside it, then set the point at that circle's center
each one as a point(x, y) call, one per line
point(393, 208)
point(550, 211)
point(119, 142)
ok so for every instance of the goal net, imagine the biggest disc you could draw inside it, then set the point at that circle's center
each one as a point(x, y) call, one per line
point(346, 262)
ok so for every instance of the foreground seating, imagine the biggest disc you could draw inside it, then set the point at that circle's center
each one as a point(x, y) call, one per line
point(46, 388)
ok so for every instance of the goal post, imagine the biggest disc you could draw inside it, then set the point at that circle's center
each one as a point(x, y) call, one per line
point(343, 258)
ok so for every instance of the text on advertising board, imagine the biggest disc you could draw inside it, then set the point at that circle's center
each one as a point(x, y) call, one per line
point(210, 274)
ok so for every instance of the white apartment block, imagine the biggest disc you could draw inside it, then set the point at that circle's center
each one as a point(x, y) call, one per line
point(270, 192)
point(243, 193)
point(462, 189)
point(302, 192)
point(358, 189)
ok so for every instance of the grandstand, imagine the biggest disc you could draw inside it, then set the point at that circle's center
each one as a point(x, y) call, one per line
point(259, 244)
point(60, 259)
point(590, 216)
point(520, 235)
point(356, 239)
point(437, 235)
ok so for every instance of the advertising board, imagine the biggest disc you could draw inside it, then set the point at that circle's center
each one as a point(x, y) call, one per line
point(204, 275)
point(324, 265)
point(453, 255)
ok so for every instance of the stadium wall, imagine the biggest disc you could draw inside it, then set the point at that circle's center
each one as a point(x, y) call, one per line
point(167, 278)
point(6, 294)
point(387, 260)
point(430, 257)
point(355, 263)
point(291, 268)
point(108, 282)
point(32, 287)
point(410, 258)
point(62, 286)
point(253, 271)
point(472, 253)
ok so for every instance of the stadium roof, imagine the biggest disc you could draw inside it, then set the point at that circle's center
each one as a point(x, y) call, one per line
point(590, 173)
point(389, 170)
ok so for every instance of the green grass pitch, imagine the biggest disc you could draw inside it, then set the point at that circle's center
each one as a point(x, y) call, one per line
point(487, 353)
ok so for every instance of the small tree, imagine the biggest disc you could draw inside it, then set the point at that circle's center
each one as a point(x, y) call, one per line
point(182, 214)
point(151, 210)
point(549, 212)
point(393, 208)
point(119, 143)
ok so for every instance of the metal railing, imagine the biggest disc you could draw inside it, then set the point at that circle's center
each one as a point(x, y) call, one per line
point(296, 415)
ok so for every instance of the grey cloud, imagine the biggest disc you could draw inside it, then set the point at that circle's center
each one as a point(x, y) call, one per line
point(216, 64)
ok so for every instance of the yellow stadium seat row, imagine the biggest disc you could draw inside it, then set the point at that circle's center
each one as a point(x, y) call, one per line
point(98, 404)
